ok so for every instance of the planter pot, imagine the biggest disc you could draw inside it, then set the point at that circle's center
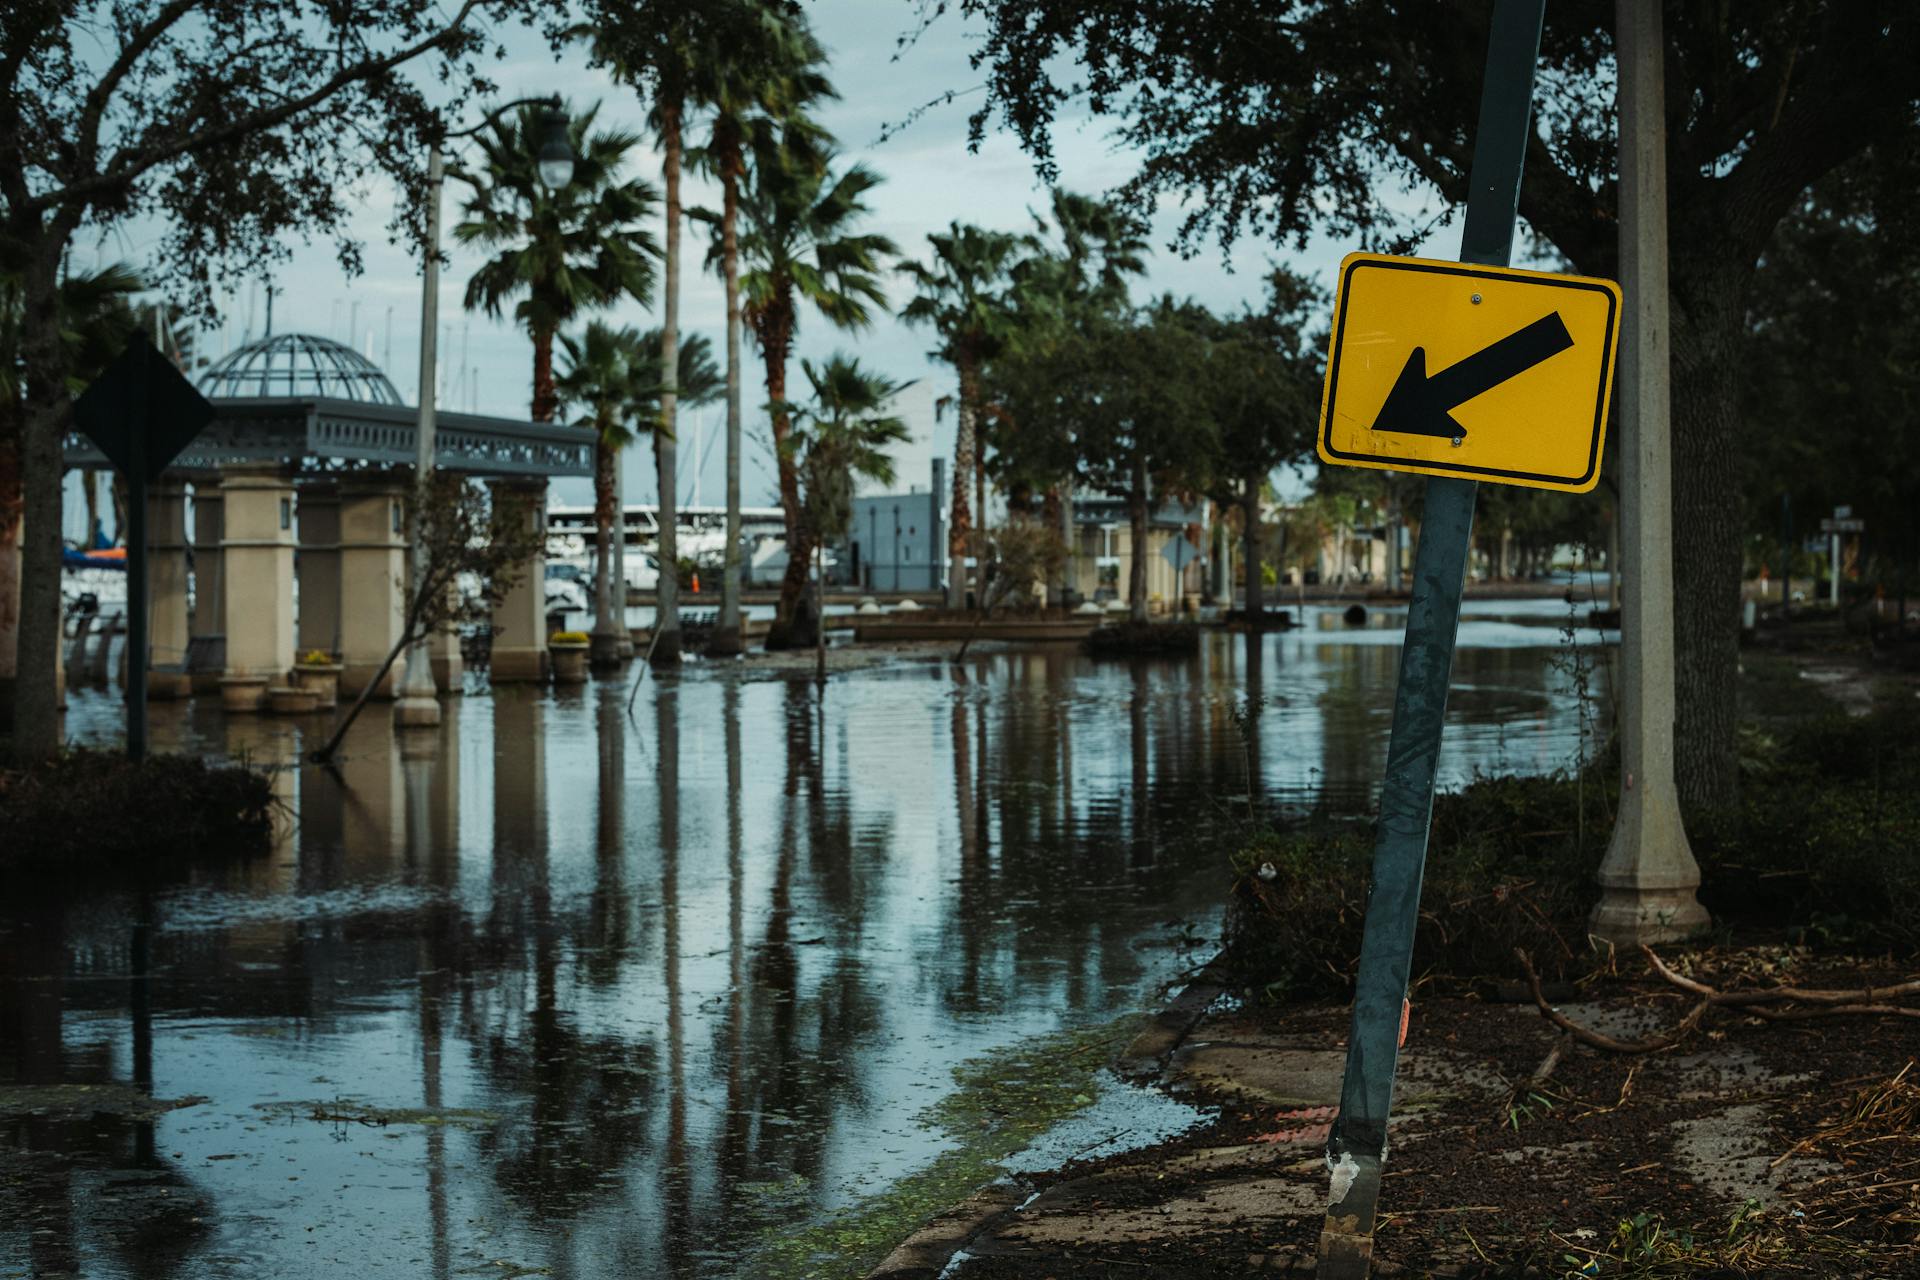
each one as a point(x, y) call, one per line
point(322, 680)
point(569, 662)
point(243, 694)
point(290, 700)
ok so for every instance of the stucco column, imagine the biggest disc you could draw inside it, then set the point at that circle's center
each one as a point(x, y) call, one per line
point(520, 620)
point(318, 566)
point(373, 569)
point(208, 625)
point(167, 626)
point(257, 550)
point(443, 652)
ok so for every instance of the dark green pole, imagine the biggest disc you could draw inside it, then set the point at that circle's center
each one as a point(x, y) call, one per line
point(136, 688)
point(1358, 1144)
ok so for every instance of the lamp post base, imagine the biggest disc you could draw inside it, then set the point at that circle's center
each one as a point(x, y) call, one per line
point(414, 712)
point(1648, 877)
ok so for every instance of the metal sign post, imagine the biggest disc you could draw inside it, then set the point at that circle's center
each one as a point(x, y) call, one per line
point(1358, 1144)
point(141, 412)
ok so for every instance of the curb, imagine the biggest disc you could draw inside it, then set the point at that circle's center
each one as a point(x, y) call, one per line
point(924, 1255)
point(1147, 1055)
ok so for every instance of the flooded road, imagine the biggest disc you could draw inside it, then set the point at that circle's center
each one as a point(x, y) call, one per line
point(559, 991)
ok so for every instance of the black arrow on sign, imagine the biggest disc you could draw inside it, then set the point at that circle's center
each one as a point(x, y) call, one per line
point(1422, 405)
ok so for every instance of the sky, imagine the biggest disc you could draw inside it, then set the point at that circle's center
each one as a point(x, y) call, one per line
point(931, 179)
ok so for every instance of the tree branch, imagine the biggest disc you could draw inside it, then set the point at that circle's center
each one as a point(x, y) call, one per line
point(128, 166)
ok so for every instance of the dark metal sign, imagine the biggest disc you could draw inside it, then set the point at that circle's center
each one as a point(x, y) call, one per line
point(141, 412)
point(1358, 1146)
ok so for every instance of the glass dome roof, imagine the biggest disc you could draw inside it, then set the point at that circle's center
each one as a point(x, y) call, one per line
point(296, 365)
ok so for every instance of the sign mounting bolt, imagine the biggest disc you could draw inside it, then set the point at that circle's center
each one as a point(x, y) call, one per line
point(1476, 299)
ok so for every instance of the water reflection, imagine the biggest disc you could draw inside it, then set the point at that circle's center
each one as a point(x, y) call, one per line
point(562, 988)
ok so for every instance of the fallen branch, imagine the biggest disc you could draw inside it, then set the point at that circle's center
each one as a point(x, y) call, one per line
point(1865, 1000)
point(1598, 1039)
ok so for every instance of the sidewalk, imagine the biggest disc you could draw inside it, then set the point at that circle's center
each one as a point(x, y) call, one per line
point(1751, 1148)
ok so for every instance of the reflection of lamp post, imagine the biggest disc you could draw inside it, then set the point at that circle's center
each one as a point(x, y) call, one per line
point(418, 703)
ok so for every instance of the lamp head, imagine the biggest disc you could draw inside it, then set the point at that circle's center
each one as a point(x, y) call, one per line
point(555, 157)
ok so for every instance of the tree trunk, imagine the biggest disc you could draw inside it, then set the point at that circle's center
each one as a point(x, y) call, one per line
point(666, 591)
point(819, 615)
point(726, 631)
point(546, 402)
point(1050, 519)
point(1708, 327)
point(36, 733)
point(960, 524)
point(979, 541)
point(1137, 560)
point(792, 624)
point(1250, 555)
point(606, 630)
point(9, 558)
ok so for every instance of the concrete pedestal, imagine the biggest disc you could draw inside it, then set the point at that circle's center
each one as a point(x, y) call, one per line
point(208, 624)
point(257, 551)
point(520, 619)
point(168, 624)
point(318, 564)
point(373, 567)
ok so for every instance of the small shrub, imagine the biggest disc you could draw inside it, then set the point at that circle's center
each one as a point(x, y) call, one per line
point(1819, 850)
point(92, 812)
point(1144, 640)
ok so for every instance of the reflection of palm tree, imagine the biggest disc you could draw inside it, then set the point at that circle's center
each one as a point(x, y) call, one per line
point(677, 1193)
point(609, 909)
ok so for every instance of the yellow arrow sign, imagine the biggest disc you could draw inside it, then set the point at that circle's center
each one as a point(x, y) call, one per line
point(1485, 373)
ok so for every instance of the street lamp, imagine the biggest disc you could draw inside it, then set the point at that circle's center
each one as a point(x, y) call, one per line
point(418, 704)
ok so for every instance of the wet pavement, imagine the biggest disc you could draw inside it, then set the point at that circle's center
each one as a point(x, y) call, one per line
point(557, 990)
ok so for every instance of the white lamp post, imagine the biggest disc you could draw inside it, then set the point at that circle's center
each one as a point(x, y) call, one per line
point(418, 704)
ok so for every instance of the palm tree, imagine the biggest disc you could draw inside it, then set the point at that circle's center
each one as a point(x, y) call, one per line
point(842, 434)
point(667, 52)
point(698, 381)
point(798, 247)
point(962, 296)
point(599, 379)
point(560, 252)
point(760, 84)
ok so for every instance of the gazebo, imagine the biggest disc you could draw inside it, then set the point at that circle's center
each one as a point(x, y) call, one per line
point(298, 490)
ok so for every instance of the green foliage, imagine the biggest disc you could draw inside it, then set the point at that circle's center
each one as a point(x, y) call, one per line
point(844, 432)
point(1819, 852)
point(563, 252)
point(797, 242)
point(600, 378)
point(962, 293)
point(1834, 318)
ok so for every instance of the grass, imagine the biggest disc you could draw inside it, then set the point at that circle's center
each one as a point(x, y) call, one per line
point(1001, 1104)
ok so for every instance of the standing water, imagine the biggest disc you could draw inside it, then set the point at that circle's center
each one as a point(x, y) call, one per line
point(556, 990)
